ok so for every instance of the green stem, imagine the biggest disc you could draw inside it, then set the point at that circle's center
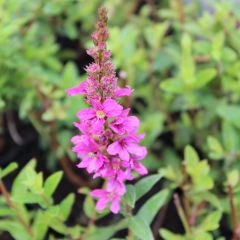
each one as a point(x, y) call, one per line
point(182, 214)
point(233, 214)
point(12, 205)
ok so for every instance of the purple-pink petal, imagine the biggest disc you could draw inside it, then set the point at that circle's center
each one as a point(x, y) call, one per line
point(85, 162)
point(114, 148)
point(80, 89)
point(86, 113)
point(123, 154)
point(131, 123)
point(115, 206)
point(140, 168)
point(112, 108)
point(136, 149)
point(119, 92)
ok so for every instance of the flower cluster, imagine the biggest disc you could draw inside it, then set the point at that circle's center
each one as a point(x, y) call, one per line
point(108, 143)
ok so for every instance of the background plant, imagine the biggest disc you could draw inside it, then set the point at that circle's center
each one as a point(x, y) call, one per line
point(182, 59)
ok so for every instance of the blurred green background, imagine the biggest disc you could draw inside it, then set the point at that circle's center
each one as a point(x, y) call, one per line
point(181, 57)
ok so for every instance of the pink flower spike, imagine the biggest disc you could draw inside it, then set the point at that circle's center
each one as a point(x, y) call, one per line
point(108, 144)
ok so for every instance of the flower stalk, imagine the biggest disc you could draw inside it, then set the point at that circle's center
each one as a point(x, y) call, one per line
point(108, 143)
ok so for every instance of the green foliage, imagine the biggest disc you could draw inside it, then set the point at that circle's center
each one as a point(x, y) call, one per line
point(182, 60)
point(52, 182)
point(149, 210)
point(10, 168)
point(130, 196)
point(30, 188)
point(145, 184)
point(197, 170)
point(140, 228)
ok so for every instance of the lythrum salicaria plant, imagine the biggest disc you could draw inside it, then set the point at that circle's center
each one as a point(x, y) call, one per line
point(108, 145)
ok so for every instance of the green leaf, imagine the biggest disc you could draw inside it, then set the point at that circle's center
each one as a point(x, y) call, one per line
point(58, 226)
point(2, 104)
point(152, 126)
point(230, 137)
point(10, 168)
point(198, 170)
point(37, 186)
point(167, 235)
point(187, 61)
point(201, 178)
point(6, 212)
point(211, 221)
point(17, 231)
point(140, 228)
point(145, 184)
point(40, 224)
point(105, 233)
point(22, 210)
point(52, 182)
point(130, 196)
point(154, 34)
point(233, 178)
point(89, 207)
point(203, 236)
point(211, 198)
point(204, 76)
point(84, 190)
point(66, 206)
point(172, 85)
point(217, 45)
point(153, 205)
point(75, 231)
point(118, 238)
point(26, 177)
point(190, 156)
point(216, 150)
point(70, 75)
point(230, 113)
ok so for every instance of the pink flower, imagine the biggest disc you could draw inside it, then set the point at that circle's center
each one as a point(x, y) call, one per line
point(80, 89)
point(117, 186)
point(135, 165)
point(84, 145)
point(113, 191)
point(93, 162)
point(109, 108)
point(120, 92)
point(106, 197)
point(123, 124)
point(126, 146)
